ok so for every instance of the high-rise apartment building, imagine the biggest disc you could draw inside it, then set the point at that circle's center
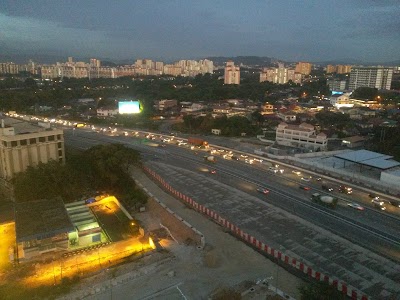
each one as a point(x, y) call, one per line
point(280, 75)
point(9, 68)
point(232, 73)
point(330, 69)
point(303, 68)
point(23, 144)
point(373, 77)
point(336, 85)
point(343, 69)
point(95, 62)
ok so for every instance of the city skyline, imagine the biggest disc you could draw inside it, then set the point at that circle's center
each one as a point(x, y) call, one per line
point(292, 31)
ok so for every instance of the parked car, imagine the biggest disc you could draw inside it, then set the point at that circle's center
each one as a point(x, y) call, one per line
point(395, 203)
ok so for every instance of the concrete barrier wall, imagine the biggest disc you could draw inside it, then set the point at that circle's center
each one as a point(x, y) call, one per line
point(180, 229)
point(263, 248)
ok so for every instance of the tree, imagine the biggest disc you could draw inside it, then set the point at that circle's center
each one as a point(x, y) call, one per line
point(365, 93)
point(103, 167)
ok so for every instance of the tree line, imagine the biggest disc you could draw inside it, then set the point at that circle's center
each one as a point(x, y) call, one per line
point(100, 168)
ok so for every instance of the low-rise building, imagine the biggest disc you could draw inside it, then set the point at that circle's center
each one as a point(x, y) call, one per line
point(41, 226)
point(353, 141)
point(301, 136)
point(165, 104)
point(287, 116)
point(107, 112)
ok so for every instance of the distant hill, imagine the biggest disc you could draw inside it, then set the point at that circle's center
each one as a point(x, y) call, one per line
point(261, 61)
point(350, 61)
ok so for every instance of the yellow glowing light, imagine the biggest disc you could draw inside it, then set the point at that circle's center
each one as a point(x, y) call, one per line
point(151, 243)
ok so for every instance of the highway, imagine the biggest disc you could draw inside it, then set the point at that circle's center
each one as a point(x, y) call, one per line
point(284, 191)
point(370, 229)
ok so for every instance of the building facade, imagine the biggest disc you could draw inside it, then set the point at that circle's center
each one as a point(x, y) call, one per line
point(232, 73)
point(303, 68)
point(280, 75)
point(373, 77)
point(343, 69)
point(23, 144)
point(336, 85)
point(301, 136)
point(330, 69)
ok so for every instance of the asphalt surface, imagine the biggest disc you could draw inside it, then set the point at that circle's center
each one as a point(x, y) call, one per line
point(285, 218)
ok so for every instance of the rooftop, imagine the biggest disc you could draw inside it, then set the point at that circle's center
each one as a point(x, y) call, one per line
point(369, 158)
point(41, 219)
point(21, 126)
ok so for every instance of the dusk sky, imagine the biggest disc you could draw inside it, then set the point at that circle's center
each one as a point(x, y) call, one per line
point(292, 30)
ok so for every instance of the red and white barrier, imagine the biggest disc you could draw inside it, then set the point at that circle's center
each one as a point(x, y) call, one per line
point(341, 286)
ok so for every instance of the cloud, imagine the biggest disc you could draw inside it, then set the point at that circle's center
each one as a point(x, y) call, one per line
point(187, 28)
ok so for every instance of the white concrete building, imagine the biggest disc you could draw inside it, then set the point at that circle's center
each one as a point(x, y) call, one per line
point(301, 136)
point(232, 73)
point(373, 77)
point(343, 100)
point(107, 112)
point(23, 144)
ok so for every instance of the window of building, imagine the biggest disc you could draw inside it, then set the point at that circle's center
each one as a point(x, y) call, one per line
point(42, 139)
point(60, 152)
point(14, 143)
point(32, 141)
point(50, 138)
point(58, 136)
point(23, 142)
point(59, 145)
point(4, 143)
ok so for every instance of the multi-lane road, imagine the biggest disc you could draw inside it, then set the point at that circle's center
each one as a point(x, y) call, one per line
point(371, 229)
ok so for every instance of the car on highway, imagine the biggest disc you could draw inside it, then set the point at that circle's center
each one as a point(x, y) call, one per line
point(327, 188)
point(276, 170)
point(378, 203)
point(234, 157)
point(345, 189)
point(263, 190)
point(213, 171)
point(307, 179)
point(298, 173)
point(306, 188)
point(372, 195)
point(355, 206)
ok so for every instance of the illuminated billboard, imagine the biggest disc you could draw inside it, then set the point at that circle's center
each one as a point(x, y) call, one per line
point(129, 107)
point(337, 93)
